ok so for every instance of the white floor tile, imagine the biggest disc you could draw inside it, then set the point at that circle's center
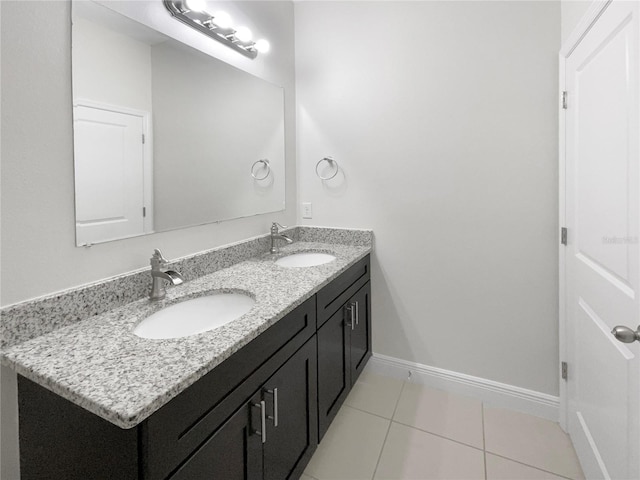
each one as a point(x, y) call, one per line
point(375, 394)
point(499, 468)
point(409, 453)
point(350, 448)
point(453, 416)
point(525, 447)
point(530, 440)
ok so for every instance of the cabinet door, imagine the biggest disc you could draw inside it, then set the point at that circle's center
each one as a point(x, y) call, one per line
point(333, 368)
point(292, 422)
point(361, 332)
point(233, 452)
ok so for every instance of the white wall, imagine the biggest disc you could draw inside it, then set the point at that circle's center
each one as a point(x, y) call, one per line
point(443, 116)
point(38, 246)
point(110, 68)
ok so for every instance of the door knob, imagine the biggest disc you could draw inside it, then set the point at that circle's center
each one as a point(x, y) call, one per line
point(625, 334)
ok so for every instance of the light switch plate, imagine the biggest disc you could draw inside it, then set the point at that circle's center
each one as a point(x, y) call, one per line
point(307, 212)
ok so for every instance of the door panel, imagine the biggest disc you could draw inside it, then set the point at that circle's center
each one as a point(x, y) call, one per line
point(333, 369)
point(602, 264)
point(291, 443)
point(602, 193)
point(109, 172)
point(361, 333)
point(233, 452)
point(603, 393)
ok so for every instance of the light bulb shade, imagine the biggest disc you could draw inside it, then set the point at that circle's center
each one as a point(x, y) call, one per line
point(222, 19)
point(263, 46)
point(243, 34)
point(196, 5)
point(219, 27)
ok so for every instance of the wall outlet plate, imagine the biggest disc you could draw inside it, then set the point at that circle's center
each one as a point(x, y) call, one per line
point(307, 211)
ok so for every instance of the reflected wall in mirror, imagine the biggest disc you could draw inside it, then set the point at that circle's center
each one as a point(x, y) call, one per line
point(165, 136)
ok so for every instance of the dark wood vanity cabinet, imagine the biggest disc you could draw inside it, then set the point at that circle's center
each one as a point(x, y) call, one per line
point(297, 374)
point(344, 346)
point(271, 436)
point(344, 338)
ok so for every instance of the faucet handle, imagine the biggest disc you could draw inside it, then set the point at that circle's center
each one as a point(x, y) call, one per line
point(275, 226)
point(157, 259)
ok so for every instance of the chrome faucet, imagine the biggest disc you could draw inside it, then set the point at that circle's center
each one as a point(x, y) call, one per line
point(160, 276)
point(276, 235)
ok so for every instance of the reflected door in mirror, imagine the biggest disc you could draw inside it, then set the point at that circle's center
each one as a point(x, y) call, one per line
point(109, 175)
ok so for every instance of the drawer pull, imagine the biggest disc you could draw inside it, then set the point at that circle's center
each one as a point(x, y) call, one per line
point(351, 322)
point(357, 313)
point(274, 418)
point(263, 421)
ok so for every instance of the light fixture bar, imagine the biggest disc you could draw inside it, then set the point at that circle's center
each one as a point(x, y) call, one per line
point(205, 23)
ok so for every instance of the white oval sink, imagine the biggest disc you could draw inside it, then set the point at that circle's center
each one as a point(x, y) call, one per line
point(305, 259)
point(195, 316)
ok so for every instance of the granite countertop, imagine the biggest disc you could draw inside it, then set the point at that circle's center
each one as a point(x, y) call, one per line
point(99, 364)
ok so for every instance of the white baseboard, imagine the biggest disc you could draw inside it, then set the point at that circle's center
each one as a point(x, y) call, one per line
point(493, 393)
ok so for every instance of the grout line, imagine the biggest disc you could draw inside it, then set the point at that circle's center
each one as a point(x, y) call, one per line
point(413, 426)
point(437, 434)
point(375, 470)
point(398, 399)
point(484, 443)
point(360, 409)
point(384, 442)
point(530, 466)
point(375, 414)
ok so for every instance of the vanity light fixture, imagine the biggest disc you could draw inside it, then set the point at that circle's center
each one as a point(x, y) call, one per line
point(217, 26)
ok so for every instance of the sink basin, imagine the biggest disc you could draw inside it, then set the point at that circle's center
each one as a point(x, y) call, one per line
point(195, 316)
point(305, 259)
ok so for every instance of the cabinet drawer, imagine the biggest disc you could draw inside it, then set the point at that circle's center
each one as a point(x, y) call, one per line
point(334, 295)
point(172, 433)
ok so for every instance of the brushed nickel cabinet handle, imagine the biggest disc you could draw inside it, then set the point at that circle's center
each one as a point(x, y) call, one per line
point(263, 421)
point(274, 418)
point(351, 322)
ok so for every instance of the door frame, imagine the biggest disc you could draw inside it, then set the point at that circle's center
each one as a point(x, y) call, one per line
point(595, 10)
point(147, 153)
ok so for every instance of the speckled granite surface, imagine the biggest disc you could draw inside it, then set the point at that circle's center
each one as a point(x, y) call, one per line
point(99, 364)
point(27, 320)
point(343, 236)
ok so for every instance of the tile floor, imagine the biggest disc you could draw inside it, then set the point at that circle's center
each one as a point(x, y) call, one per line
point(391, 429)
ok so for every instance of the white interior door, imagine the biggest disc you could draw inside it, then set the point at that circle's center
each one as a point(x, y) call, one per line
point(602, 263)
point(109, 174)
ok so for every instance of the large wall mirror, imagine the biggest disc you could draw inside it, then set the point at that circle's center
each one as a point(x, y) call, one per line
point(166, 136)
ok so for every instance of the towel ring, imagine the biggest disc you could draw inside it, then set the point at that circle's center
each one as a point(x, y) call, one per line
point(266, 166)
point(330, 160)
